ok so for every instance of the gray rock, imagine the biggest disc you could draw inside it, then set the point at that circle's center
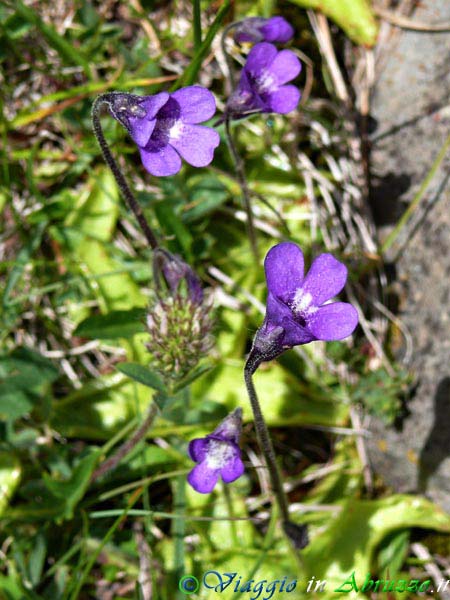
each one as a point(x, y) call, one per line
point(411, 107)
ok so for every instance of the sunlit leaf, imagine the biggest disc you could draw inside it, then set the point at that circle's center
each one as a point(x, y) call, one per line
point(354, 16)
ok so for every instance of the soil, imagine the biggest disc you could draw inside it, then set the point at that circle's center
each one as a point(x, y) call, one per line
point(411, 108)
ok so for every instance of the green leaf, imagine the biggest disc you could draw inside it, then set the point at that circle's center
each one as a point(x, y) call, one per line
point(283, 399)
point(72, 490)
point(99, 408)
point(10, 472)
point(24, 376)
point(115, 324)
point(393, 552)
point(37, 558)
point(195, 374)
point(27, 368)
point(13, 403)
point(355, 17)
point(351, 539)
point(206, 194)
point(143, 375)
point(172, 225)
point(97, 212)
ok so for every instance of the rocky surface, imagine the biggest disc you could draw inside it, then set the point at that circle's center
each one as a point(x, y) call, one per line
point(411, 105)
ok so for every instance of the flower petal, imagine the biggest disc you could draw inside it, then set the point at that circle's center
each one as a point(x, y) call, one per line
point(197, 449)
point(260, 57)
point(230, 428)
point(277, 29)
point(162, 162)
point(141, 128)
point(333, 321)
point(244, 98)
point(233, 469)
point(284, 269)
point(153, 104)
point(286, 66)
point(202, 478)
point(325, 279)
point(197, 104)
point(283, 100)
point(278, 314)
point(195, 143)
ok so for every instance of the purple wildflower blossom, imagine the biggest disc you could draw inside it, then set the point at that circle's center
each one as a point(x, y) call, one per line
point(165, 127)
point(298, 311)
point(258, 29)
point(262, 84)
point(217, 454)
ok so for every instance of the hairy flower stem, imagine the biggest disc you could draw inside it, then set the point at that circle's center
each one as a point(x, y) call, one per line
point(104, 100)
point(240, 172)
point(265, 442)
point(126, 447)
point(297, 534)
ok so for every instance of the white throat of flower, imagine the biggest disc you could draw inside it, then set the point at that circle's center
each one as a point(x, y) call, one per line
point(266, 81)
point(302, 303)
point(176, 130)
point(218, 454)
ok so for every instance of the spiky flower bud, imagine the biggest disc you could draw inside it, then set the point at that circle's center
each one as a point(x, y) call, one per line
point(179, 321)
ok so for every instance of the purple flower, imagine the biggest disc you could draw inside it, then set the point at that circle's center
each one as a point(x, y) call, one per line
point(217, 454)
point(298, 310)
point(258, 29)
point(164, 127)
point(262, 84)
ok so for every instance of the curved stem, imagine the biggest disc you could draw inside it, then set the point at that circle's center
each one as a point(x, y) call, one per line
point(266, 443)
point(116, 171)
point(127, 446)
point(240, 172)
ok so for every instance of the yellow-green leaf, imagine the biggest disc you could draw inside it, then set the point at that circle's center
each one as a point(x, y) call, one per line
point(355, 17)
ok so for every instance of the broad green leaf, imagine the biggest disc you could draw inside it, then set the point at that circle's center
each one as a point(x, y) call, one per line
point(349, 542)
point(99, 408)
point(97, 211)
point(283, 399)
point(142, 375)
point(24, 379)
point(11, 586)
point(115, 324)
point(14, 403)
point(355, 17)
point(10, 472)
point(72, 490)
point(344, 482)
